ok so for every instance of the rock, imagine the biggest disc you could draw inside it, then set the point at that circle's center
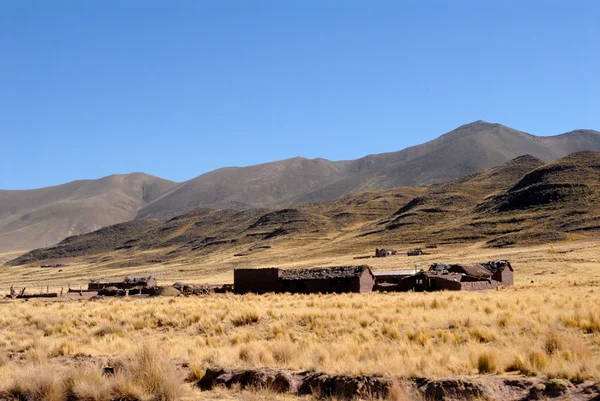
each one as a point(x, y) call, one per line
point(537, 392)
point(346, 387)
point(287, 383)
point(557, 387)
point(519, 383)
point(303, 383)
point(453, 390)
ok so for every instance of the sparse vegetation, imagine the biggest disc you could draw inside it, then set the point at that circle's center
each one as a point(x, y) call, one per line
point(402, 335)
point(146, 375)
point(548, 327)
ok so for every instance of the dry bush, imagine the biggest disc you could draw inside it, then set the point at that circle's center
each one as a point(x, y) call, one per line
point(246, 318)
point(149, 371)
point(518, 364)
point(553, 343)
point(195, 374)
point(87, 383)
point(146, 375)
point(37, 383)
point(487, 363)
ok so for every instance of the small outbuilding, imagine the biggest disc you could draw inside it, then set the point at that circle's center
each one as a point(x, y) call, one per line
point(414, 252)
point(447, 277)
point(383, 252)
point(125, 284)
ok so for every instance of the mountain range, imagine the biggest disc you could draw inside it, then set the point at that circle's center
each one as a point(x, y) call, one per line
point(523, 201)
point(37, 218)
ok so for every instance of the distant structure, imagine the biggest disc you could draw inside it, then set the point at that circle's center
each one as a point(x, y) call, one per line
point(126, 284)
point(414, 252)
point(449, 277)
point(382, 253)
point(431, 246)
point(339, 279)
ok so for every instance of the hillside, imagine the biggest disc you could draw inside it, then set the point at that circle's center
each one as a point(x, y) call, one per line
point(41, 217)
point(488, 206)
point(463, 151)
point(34, 218)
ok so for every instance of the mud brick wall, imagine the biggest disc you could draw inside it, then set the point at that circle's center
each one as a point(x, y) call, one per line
point(256, 280)
point(506, 277)
point(479, 285)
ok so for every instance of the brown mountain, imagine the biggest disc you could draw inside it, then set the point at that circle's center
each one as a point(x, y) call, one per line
point(39, 217)
point(523, 201)
point(35, 218)
point(466, 150)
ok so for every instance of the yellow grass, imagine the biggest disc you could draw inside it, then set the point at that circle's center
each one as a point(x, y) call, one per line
point(549, 327)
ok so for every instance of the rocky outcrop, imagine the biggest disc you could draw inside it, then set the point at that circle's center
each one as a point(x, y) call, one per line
point(349, 387)
point(301, 383)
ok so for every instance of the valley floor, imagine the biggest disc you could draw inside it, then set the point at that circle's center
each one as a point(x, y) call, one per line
point(547, 325)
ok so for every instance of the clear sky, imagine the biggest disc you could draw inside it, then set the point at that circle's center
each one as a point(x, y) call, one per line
point(178, 88)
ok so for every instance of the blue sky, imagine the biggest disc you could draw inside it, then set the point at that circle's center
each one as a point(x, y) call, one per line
point(178, 88)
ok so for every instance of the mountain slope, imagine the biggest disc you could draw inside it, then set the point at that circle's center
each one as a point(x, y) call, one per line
point(471, 209)
point(39, 217)
point(34, 218)
point(463, 151)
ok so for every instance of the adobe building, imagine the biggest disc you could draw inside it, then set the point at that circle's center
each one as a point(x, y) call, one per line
point(448, 277)
point(499, 271)
point(339, 279)
point(126, 284)
point(414, 252)
point(382, 253)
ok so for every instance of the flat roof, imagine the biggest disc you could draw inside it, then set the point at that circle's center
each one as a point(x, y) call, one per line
point(395, 272)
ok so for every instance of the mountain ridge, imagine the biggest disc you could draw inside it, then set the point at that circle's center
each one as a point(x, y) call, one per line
point(30, 218)
point(522, 201)
point(33, 218)
point(469, 148)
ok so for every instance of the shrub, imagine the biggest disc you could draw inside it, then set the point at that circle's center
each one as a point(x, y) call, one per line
point(87, 384)
point(553, 343)
point(148, 372)
point(486, 363)
point(518, 364)
point(245, 319)
point(40, 383)
point(538, 359)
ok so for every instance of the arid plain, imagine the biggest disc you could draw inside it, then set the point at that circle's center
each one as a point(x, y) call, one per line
point(547, 325)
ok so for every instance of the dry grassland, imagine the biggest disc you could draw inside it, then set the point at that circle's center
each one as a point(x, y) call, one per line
point(550, 327)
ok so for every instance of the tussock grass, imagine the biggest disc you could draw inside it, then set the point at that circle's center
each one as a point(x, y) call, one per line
point(146, 375)
point(543, 331)
point(245, 318)
point(487, 363)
